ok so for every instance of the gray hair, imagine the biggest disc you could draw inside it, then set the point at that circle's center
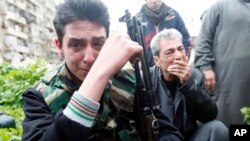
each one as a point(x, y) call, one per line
point(166, 34)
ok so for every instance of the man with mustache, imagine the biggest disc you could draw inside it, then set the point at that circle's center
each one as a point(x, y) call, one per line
point(179, 90)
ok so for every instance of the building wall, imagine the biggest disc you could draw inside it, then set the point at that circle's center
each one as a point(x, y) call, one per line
point(26, 30)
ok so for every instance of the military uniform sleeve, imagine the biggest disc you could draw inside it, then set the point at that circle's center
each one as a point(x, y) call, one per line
point(202, 106)
point(41, 124)
point(123, 88)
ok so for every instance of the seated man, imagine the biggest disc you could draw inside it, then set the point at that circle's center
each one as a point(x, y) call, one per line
point(83, 99)
point(180, 91)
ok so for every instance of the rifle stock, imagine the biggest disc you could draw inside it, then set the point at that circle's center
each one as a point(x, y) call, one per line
point(145, 122)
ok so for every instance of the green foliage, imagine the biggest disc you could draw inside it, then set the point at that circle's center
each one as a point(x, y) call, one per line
point(12, 134)
point(13, 82)
point(246, 112)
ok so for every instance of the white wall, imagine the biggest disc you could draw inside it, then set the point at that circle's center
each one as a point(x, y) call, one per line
point(191, 10)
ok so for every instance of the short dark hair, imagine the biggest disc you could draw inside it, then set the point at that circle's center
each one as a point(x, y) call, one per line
point(87, 10)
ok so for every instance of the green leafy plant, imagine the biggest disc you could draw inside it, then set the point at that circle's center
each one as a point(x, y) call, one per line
point(12, 134)
point(13, 82)
point(246, 112)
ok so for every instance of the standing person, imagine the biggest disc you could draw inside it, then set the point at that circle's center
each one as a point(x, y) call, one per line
point(223, 53)
point(179, 89)
point(157, 16)
point(84, 98)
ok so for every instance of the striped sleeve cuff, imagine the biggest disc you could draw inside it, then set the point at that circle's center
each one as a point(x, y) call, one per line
point(81, 109)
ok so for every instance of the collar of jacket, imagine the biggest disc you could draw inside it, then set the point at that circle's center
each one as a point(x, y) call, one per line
point(65, 76)
point(62, 73)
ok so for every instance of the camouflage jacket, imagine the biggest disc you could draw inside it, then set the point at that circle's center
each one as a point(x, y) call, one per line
point(57, 88)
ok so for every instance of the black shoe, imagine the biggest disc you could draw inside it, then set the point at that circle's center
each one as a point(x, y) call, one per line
point(7, 121)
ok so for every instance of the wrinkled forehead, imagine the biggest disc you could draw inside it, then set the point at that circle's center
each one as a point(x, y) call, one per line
point(165, 44)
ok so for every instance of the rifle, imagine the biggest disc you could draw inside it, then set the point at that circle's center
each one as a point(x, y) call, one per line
point(145, 122)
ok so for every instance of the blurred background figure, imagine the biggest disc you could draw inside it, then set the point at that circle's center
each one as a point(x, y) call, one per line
point(158, 16)
point(223, 53)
